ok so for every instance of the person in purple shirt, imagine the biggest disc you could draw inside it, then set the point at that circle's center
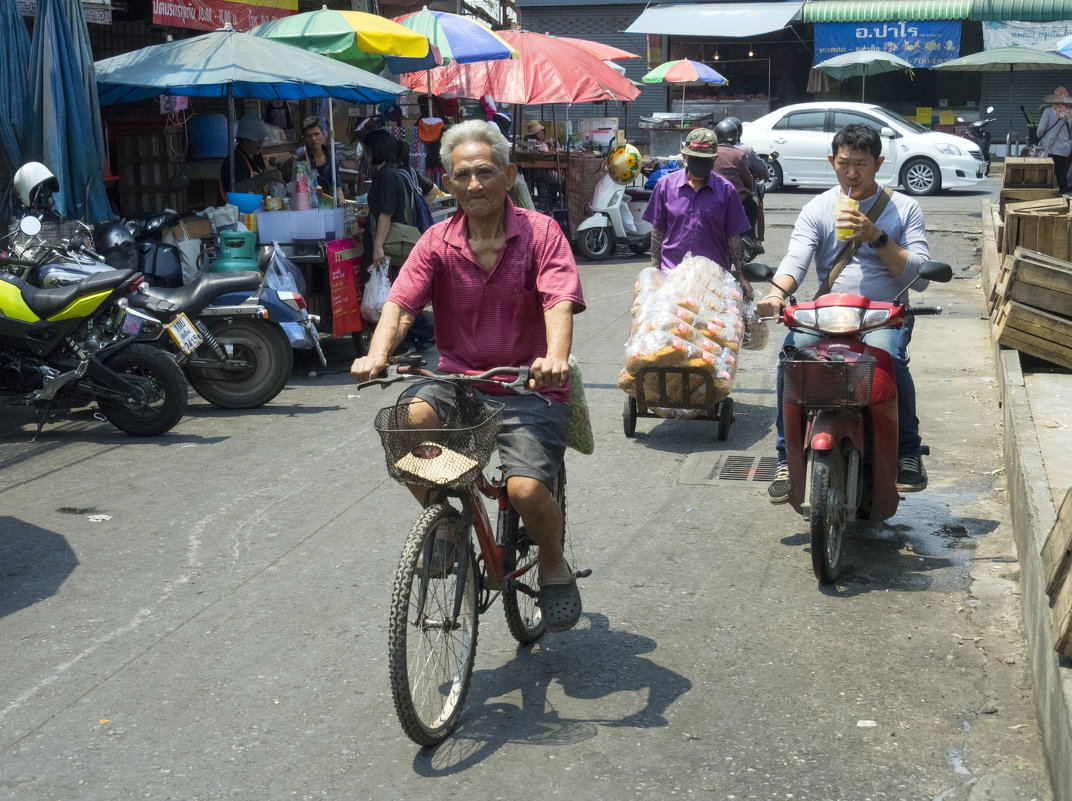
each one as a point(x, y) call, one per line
point(697, 211)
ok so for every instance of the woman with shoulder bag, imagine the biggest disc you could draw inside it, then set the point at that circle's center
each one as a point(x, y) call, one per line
point(390, 206)
point(1055, 133)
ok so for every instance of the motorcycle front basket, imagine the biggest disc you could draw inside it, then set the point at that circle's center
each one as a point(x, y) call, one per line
point(824, 384)
point(449, 457)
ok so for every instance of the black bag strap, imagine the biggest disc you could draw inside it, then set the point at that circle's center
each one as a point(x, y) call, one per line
point(849, 250)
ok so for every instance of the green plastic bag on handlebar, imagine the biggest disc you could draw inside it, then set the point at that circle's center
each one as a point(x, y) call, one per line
point(579, 436)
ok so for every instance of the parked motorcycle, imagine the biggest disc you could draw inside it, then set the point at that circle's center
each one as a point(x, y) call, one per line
point(617, 209)
point(977, 132)
point(839, 407)
point(70, 346)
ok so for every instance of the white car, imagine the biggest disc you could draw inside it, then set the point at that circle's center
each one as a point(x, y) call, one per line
point(919, 159)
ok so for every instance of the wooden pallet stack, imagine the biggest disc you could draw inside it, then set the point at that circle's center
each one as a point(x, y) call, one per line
point(1031, 305)
point(1027, 179)
point(1056, 560)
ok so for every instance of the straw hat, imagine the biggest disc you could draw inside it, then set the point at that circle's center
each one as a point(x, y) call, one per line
point(1060, 95)
point(533, 127)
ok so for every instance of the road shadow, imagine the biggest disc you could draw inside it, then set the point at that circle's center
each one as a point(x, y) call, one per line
point(34, 563)
point(85, 425)
point(590, 662)
point(752, 423)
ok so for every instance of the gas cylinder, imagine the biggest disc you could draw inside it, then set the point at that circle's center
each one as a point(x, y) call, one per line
point(238, 252)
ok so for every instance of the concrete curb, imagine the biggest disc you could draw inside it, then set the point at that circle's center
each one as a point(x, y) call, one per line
point(1033, 516)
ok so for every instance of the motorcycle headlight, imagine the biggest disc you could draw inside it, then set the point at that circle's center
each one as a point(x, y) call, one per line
point(873, 317)
point(948, 149)
point(805, 317)
point(840, 319)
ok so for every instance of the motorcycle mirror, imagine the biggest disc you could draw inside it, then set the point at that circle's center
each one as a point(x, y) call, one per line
point(757, 271)
point(936, 271)
point(30, 225)
point(960, 119)
point(989, 109)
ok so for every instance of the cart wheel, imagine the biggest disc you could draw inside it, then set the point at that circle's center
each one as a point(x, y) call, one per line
point(629, 416)
point(725, 419)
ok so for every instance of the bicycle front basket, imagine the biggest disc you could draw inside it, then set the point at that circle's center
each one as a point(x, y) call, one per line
point(438, 457)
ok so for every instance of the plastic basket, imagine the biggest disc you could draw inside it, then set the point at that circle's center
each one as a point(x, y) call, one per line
point(438, 457)
point(828, 384)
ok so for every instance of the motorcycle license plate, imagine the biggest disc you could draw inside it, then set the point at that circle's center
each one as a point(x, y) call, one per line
point(131, 324)
point(184, 333)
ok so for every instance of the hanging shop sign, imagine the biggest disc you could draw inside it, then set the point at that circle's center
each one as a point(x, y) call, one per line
point(1039, 35)
point(210, 15)
point(921, 44)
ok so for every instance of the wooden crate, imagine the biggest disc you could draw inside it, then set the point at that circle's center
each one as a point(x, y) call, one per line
point(1019, 194)
point(1022, 171)
point(1037, 280)
point(1056, 558)
point(1041, 225)
point(1033, 331)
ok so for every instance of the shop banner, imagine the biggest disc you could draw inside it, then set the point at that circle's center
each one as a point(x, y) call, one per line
point(1040, 35)
point(343, 256)
point(210, 15)
point(921, 44)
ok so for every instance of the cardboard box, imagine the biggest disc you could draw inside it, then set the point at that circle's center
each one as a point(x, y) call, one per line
point(193, 227)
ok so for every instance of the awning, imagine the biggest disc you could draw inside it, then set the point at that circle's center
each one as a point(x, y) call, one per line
point(715, 19)
point(1029, 10)
point(885, 10)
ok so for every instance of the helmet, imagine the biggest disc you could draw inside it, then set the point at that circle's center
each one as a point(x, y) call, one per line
point(740, 125)
point(35, 184)
point(115, 242)
point(726, 131)
point(623, 164)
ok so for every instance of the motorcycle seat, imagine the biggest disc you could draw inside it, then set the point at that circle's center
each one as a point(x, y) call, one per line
point(195, 296)
point(47, 302)
point(638, 193)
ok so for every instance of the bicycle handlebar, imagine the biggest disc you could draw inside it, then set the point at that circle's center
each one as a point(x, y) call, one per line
point(412, 366)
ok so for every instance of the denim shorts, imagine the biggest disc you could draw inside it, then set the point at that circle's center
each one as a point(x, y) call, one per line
point(532, 442)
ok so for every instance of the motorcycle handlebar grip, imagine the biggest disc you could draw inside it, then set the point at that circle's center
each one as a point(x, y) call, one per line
point(926, 309)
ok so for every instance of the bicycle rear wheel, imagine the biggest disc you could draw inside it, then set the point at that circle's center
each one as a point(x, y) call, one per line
point(430, 648)
point(523, 616)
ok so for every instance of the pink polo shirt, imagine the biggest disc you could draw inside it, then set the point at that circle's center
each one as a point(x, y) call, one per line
point(485, 320)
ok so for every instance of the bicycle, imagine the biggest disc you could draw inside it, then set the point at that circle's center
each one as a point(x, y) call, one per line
point(436, 602)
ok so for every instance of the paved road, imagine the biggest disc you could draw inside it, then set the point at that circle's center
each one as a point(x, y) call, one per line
point(202, 616)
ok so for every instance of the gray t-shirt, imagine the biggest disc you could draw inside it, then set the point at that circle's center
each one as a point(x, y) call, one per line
point(814, 235)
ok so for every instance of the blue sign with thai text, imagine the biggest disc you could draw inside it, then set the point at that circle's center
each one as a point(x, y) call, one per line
point(921, 44)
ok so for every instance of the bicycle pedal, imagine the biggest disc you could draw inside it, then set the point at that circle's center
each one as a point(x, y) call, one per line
point(582, 573)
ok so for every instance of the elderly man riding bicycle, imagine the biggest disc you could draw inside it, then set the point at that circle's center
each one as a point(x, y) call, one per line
point(504, 288)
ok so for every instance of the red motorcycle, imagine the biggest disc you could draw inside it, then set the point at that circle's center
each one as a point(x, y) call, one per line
point(839, 408)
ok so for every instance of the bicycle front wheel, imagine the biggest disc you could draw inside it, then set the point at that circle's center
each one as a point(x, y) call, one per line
point(433, 627)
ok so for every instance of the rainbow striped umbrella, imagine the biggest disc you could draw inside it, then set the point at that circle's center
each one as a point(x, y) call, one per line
point(684, 71)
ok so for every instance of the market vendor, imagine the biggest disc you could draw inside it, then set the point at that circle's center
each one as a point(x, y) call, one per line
point(314, 154)
point(251, 174)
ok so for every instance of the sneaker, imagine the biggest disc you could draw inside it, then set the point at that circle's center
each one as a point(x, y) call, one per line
point(778, 491)
point(911, 475)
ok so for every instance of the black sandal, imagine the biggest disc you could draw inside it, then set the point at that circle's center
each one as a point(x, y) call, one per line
point(560, 605)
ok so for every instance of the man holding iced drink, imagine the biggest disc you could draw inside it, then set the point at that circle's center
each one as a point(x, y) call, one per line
point(884, 260)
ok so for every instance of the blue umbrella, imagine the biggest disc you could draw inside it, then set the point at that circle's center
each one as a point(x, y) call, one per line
point(228, 63)
point(14, 65)
point(58, 129)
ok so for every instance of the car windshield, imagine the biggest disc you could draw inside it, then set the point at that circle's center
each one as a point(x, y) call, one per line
point(911, 125)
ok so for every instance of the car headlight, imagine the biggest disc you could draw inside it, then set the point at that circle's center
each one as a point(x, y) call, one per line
point(840, 319)
point(948, 149)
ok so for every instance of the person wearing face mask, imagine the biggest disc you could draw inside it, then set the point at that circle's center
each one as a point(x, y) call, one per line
point(696, 210)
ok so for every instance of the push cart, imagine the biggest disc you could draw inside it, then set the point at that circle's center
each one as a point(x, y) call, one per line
point(692, 378)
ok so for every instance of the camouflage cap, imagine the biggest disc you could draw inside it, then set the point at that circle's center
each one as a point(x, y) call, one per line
point(701, 142)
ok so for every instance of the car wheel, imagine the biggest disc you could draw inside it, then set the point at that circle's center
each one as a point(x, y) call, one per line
point(921, 177)
point(774, 176)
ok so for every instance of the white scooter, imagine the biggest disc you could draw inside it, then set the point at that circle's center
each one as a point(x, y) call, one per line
point(616, 215)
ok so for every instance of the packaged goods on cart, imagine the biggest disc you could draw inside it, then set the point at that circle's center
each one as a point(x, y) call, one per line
point(690, 317)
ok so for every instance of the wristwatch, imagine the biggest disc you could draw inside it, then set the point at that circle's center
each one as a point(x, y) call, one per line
point(882, 240)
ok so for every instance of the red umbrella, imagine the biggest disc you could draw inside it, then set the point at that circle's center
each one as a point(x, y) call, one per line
point(599, 50)
point(548, 69)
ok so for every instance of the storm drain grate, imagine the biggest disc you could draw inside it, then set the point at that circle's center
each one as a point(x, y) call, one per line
point(748, 468)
